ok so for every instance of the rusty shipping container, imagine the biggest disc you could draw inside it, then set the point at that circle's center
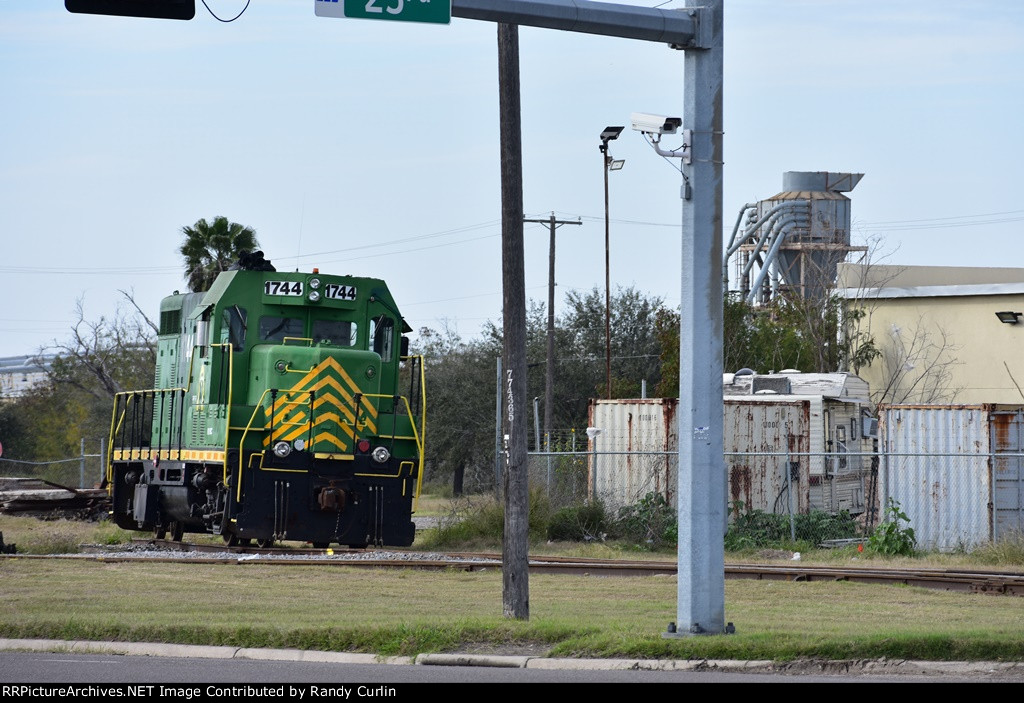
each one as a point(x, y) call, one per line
point(792, 442)
point(634, 450)
point(955, 470)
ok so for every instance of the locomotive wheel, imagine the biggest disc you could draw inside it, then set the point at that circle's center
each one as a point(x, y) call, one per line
point(265, 543)
point(231, 539)
point(177, 531)
point(320, 545)
point(160, 532)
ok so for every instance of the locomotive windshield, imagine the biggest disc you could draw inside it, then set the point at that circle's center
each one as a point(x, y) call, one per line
point(275, 329)
point(338, 332)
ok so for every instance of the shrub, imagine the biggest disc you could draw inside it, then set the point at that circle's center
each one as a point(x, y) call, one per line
point(756, 528)
point(578, 523)
point(650, 523)
point(476, 521)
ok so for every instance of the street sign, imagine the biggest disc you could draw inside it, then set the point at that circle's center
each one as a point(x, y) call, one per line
point(432, 11)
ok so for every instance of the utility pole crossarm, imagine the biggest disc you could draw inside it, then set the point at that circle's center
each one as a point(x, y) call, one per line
point(677, 28)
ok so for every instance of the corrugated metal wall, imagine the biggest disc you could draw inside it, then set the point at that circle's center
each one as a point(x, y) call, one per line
point(1006, 434)
point(634, 427)
point(936, 465)
point(757, 436)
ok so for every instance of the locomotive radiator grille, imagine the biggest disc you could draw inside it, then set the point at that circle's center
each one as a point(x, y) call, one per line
point(326, 405)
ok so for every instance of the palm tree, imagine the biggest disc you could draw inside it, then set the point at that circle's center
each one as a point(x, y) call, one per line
point(210, 248)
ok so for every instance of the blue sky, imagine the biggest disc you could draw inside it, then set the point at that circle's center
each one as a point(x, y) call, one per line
point(372, 148)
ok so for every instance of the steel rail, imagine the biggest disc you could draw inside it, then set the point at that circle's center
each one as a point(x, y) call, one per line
point(956, 580)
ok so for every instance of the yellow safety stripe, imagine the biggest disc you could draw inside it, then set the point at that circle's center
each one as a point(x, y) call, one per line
point(168, 455)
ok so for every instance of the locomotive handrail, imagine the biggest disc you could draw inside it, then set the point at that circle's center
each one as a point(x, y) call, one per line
point(129, 396)
point(416, 435)
point(241, 443)
point(228, 401)
point(116, 422)
point(307, 340)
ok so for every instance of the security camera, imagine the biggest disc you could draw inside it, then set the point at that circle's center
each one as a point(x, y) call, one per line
point(655, 124)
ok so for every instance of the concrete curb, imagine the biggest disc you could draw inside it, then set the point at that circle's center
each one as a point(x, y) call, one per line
point(873, 666)
point(493, 660)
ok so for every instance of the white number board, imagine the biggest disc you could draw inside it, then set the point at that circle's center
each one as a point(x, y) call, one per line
point(282, 288)
point(334, 291)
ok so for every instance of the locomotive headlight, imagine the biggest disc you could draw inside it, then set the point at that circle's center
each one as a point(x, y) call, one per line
point(314, 283)
point(299, 444)
point(314, 295)
point(381, 455)
point(282, 449)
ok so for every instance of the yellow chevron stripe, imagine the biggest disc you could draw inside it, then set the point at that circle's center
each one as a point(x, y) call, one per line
point(348, 379)
point(334, 397)
point(325, 437)
point(299, 431)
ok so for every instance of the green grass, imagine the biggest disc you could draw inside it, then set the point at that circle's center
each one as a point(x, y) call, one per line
point(409, 612)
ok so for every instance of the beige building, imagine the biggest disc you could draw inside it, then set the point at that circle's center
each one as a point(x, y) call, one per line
point(938, 331)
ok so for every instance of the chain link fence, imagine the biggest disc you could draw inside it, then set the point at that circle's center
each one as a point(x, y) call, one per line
point(82, 471)
point(951, 501)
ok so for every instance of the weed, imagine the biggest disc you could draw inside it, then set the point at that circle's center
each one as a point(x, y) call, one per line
point(1009, 550)
point(50, 541)
point(890, 537)
point(481, 521)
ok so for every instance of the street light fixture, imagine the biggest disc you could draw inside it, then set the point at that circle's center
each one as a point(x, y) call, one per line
point(610, 164)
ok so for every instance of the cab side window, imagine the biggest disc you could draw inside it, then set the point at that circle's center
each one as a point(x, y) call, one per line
point(232, 327)
point(384, 337)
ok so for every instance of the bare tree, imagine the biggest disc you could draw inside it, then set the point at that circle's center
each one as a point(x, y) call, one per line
point(106, 356)
point(917, 364)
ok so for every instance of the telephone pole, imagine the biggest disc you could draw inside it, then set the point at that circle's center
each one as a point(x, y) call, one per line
point(549, 375)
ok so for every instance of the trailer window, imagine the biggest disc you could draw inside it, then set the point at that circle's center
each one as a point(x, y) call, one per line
point(338, 332)
point(275, 329)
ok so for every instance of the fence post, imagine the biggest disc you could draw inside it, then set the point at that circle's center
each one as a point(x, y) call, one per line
point(789, 494)
point(81, 464)
point(547, 448)
point(992, 496)
point(103, 460)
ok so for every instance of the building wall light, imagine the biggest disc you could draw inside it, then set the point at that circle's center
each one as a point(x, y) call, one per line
point(1009, 318)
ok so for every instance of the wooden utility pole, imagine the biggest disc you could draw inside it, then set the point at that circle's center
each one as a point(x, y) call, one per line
point(549, 376)
point(515, 540)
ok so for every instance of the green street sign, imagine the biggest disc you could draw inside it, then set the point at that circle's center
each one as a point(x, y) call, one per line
point(432, 11)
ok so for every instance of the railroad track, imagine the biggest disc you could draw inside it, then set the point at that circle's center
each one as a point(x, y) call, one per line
point(961, 580)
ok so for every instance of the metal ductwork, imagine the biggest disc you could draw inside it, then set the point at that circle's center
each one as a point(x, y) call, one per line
point(802, 256)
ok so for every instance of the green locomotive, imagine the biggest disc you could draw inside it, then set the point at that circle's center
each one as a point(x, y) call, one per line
point(277, 414)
